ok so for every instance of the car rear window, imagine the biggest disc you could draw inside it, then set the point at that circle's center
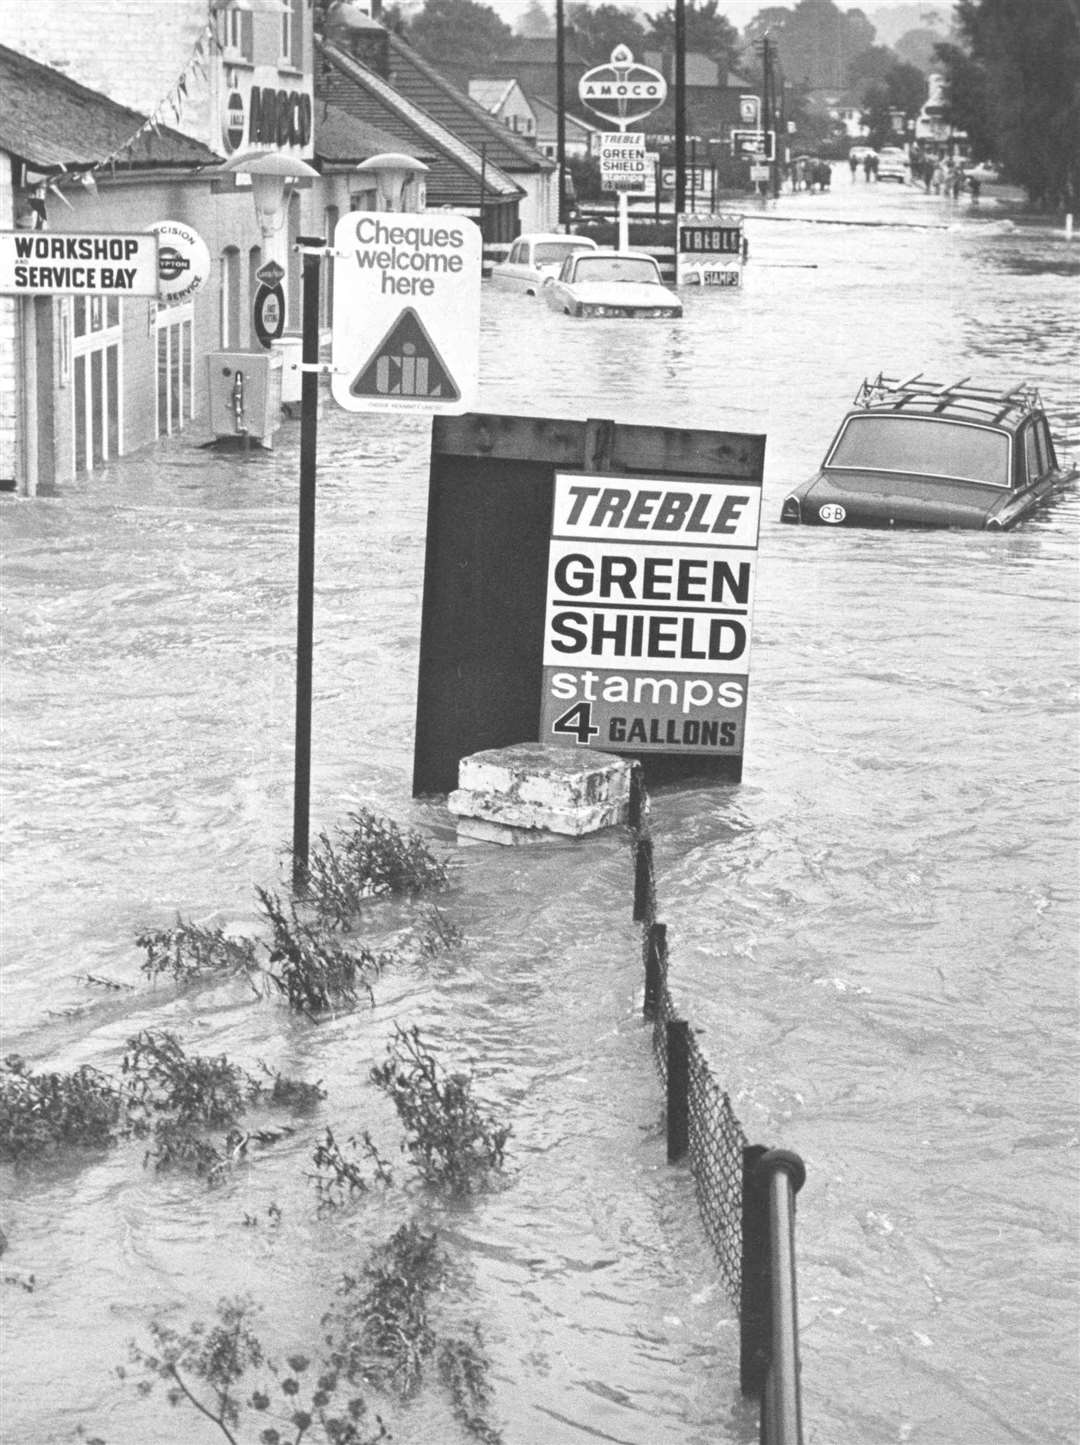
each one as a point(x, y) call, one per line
point(922, 446)
point(547, 251)
point(616, 268)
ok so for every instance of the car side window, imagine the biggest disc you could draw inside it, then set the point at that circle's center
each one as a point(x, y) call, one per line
point(1032, 463)
point(516, 256)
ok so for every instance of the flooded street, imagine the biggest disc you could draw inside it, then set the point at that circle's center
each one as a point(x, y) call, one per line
point(876, 931)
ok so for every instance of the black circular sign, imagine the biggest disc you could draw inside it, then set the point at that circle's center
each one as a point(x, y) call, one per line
point(269, 314)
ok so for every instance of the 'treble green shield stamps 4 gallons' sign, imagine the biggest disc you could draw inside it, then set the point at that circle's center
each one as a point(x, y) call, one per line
point(647, 630)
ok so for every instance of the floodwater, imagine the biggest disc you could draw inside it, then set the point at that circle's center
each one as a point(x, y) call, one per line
point(876, 931)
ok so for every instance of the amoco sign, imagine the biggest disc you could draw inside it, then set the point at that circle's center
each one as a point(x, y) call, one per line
point(623, 91)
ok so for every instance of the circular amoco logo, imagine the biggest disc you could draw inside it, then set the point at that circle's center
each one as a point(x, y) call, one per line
point(233, 130)
point(832, 512)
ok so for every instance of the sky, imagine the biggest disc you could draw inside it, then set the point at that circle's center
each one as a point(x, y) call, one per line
point(739, 12)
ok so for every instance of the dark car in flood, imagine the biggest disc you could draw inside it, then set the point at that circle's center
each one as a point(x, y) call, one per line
point(917, 453)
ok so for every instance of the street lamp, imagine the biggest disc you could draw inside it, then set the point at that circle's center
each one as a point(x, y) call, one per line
point(269, 172)
point(392, 170)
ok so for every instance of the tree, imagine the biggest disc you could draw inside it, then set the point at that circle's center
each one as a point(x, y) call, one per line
point(906, 85)
point(1029, 54)
point(535, 22)
point(458, 32)
point(707, 32)
point(873, 64)
point(877, 115)
point(598, 30)
point(916, 47)
point(816, 41)
point(968, 102)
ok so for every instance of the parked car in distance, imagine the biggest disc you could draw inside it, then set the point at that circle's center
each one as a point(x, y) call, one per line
point(916, 453)
point(611, 283)
point(532, 258)
point(986, 173)
point(893, 165)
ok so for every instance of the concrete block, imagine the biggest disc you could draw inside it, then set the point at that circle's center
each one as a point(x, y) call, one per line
point(536, 787)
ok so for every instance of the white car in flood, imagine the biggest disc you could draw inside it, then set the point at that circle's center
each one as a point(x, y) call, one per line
point(611, 283)
point(533, 258)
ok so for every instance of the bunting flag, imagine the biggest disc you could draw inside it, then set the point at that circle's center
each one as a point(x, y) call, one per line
point(170, 105)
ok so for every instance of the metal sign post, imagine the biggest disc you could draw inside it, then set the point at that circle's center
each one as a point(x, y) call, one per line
point(622, 92)
point(312, 249)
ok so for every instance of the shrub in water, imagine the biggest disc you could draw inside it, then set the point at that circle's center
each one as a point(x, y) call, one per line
point(210, 1369)
point(453, 1143)
point(189, 951)
point(315, 974)
point(42, 1112)
point(337, 1178)
point(384, 1329)
point(369, 858)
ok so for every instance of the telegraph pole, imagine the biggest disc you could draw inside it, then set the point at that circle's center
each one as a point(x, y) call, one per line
point(560, 108)
point(768, 108)
point(680, 107)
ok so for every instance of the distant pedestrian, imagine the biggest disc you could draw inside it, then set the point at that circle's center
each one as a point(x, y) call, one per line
point(874, 165)
point(867, 165)
point(853, 163)
point(974, 186)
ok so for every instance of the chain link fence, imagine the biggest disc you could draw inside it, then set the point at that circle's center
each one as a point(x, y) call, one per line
point(745, 1193)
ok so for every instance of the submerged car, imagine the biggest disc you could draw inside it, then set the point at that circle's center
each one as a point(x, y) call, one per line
point(533, 258)
point(916, 453)
point(611, 283)
point(893, 165)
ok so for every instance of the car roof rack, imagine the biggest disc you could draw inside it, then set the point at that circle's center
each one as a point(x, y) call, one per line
point(918, 394)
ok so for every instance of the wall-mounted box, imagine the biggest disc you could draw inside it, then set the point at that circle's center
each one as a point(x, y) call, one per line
point(245, 394)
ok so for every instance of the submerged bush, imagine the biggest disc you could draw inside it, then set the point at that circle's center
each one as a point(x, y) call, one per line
point(338, 1178)
point(40, 1113)
point(385, 1329)
point(223, 1373)
point(315, 974)
point(188, 951)
point(452, 1141)
point(368, 858)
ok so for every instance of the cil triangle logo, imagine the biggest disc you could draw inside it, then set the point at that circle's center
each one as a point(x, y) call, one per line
point(406, 364)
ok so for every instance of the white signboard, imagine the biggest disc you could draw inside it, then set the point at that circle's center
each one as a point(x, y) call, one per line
point(708, 250)
point(47, 263)
point(647, 634)
point(406, 318)
point(622, 91)
point(183, 260)
point(624, 165)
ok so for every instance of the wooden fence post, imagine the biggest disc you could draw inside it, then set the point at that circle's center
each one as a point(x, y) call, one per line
point(678, 1089)
point(655, 961)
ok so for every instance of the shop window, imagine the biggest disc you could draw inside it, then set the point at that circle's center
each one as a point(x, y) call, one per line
point(255, 260)
point(292, 53)
point(237, 34)
point(231, 299)
point(175, 368)
point(97, 393)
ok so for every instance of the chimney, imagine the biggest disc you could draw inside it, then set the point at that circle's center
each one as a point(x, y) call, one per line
point(351, 24)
